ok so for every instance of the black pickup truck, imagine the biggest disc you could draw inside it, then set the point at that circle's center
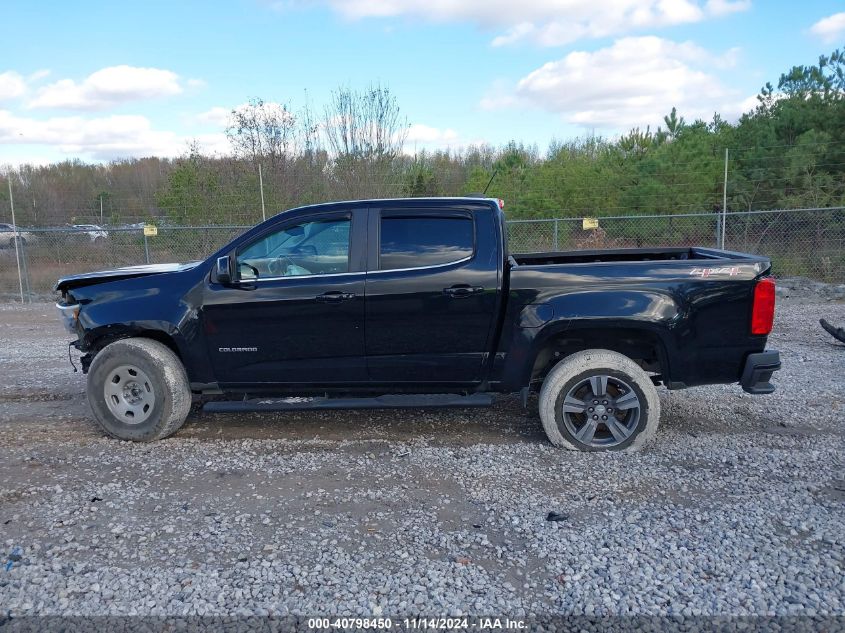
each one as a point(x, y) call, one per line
point(417, 302)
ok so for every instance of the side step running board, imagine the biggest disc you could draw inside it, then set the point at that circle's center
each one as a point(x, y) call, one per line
point(394, 401)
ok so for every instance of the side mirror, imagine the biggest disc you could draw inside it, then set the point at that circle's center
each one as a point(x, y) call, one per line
point(223, 271)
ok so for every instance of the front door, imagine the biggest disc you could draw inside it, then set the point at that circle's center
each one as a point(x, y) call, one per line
point(295, 313)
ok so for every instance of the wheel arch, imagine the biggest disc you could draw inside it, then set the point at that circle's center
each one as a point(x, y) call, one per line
point(558, 340)
point(96, 339)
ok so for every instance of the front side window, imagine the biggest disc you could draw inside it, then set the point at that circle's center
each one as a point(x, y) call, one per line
point(319, 247)
point(408, 242)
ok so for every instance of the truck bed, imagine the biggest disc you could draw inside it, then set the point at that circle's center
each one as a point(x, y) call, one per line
point(625, 255)
point(696, 301)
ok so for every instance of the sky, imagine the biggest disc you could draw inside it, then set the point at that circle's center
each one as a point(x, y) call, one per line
point(99, 81)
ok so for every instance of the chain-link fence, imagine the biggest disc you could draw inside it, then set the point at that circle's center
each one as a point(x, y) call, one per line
point(806, 242)
point(44, 255)
point(800, 242)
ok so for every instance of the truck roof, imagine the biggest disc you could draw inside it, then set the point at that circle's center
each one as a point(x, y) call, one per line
point(438, 199)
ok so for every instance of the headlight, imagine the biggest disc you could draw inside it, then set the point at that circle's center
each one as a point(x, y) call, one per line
point(69, 314)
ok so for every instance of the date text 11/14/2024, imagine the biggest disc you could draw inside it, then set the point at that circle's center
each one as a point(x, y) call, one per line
point(430, 623)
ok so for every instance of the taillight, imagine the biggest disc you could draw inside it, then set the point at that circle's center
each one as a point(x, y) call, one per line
point(763, 311)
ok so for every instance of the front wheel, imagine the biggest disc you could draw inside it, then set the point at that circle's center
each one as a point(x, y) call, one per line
point(138, 390)
point(598, 400)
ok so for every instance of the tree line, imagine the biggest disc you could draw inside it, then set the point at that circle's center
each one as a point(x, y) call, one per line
point(789, 152)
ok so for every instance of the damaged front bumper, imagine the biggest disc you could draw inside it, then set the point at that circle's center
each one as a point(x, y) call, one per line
point(69, 316)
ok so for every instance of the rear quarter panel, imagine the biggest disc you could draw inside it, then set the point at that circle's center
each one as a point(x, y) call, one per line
point(699, 311)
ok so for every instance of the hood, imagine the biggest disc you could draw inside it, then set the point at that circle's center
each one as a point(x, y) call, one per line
point(128, 272)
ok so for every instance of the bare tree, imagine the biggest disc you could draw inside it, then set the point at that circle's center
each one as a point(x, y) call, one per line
point(365, 125)
point(364, 133)
point(310, 130)
point(263, 132)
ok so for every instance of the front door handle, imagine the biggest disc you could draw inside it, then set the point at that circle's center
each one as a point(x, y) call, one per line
point(460, 291)
point(335, 296)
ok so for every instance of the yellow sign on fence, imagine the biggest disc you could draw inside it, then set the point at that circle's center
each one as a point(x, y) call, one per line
point(150, 230)
point(590, 223)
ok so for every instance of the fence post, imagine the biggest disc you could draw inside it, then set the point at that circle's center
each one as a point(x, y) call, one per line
point(557, 247)
point(146, 249)
point(718, 229)
point(725, 201)
point(15, 236)
point(25, 273)
point(261, 188)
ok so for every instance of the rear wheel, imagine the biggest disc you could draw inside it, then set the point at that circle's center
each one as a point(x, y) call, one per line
point(138, 390)
point(598, 400)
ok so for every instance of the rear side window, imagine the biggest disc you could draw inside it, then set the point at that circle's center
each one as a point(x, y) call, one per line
point(424, 241)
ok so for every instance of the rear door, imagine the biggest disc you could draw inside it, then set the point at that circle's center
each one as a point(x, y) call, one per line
point(431, 294)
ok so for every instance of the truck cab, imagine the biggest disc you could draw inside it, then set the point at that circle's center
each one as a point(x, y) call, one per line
point(362, 296)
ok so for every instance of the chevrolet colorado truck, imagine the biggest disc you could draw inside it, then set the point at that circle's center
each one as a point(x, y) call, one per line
point(418, 303)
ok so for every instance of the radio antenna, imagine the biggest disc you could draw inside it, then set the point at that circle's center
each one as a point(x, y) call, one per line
point(489, 182)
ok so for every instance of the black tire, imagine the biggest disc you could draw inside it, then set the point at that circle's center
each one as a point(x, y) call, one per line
point(574, 381)
point(147, 397)
point(20, 242)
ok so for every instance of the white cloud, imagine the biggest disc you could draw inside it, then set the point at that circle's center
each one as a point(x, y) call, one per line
point(38, 160)
point(547, 22)
point(830, 29)
point(221, 117)
point(12, 85)
point(749, 104)
point(216, 116)
point(108, 87)
point(37, 75)
point(635, 81)
point(425, 137)
point(102, 138)
point(419, 133)
point(215, 144)
point(519, 32)
point(725, 7)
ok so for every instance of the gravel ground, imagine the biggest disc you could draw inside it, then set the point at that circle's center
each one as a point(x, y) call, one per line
point(735, 509)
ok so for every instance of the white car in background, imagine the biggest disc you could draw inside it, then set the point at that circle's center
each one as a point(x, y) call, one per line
point(95, 233)
point(8, 232)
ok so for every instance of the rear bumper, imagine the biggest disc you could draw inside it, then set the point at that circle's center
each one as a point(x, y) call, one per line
point(758, 372)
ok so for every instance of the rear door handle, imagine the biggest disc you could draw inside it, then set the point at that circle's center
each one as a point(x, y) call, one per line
point(335, 297)
point(462, 290)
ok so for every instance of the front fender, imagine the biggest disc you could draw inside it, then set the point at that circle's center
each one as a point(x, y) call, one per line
point(136, 307)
